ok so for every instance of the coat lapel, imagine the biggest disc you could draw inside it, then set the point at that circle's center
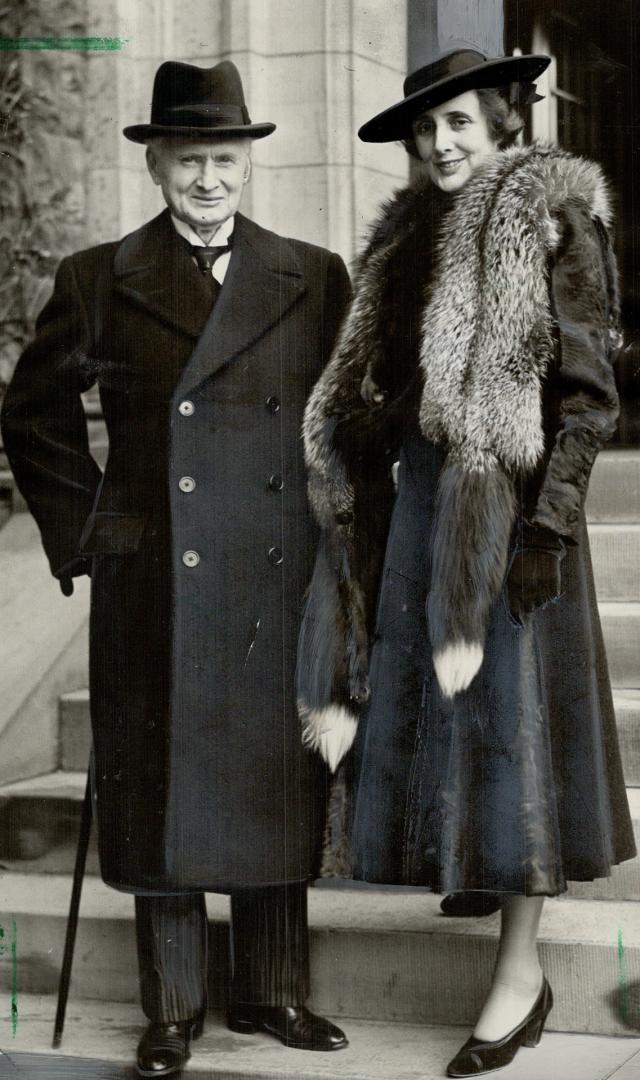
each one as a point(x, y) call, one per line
point(263, 281)
point(153, 268)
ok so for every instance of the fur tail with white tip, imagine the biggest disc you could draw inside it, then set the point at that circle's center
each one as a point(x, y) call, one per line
point(330, 731)
point(457, 665)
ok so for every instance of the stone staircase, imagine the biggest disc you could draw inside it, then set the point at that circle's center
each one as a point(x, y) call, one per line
point(383, 960)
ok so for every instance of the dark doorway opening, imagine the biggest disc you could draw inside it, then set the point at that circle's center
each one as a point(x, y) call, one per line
point(593, 108)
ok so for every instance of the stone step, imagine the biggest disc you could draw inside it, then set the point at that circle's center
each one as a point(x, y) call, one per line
point(377, 954)
point(614, 487)
point(75, 730)
point(615, 553)
point(627, 703)
point(39, 823)
point(96, 1034)
point(621, 630)
point(43, 651)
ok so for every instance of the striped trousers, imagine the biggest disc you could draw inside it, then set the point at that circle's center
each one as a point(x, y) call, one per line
point(269, 946)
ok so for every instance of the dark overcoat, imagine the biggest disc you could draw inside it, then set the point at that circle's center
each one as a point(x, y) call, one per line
point(198, 538)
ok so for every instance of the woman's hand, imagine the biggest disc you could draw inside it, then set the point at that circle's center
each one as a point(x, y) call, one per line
point(534, 577)
point(370, 392)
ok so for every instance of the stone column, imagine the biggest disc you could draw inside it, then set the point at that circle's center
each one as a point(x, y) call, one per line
point(321, 70)
point(440, 25)
point(480, 22)
point(120, 195)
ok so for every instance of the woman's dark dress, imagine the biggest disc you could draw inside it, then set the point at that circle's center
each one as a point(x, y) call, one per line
point(515, 785)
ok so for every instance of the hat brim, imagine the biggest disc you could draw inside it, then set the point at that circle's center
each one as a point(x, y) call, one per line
point(141, 133)
point(396, 121)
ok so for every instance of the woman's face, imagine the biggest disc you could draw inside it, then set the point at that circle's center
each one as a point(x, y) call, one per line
point(453, 140)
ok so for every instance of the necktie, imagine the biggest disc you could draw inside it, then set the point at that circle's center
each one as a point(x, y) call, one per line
point(206, 256)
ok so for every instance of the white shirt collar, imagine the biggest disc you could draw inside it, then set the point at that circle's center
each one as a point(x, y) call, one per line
point(219, 240)
point(221, 265)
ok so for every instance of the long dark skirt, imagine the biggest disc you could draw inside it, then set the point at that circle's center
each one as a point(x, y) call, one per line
point(515, 785)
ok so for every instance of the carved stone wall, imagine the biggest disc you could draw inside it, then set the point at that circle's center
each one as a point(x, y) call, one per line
point(42, 203)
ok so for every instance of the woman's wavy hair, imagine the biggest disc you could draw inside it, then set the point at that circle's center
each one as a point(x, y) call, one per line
point(504, 117)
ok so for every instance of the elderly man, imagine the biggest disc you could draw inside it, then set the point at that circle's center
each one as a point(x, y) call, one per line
point(205, 334)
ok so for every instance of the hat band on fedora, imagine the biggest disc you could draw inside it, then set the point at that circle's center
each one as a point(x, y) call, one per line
point(202, 115)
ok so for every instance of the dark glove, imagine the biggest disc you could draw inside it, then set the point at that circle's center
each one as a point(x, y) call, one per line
point(66, 585)
point(534, 575)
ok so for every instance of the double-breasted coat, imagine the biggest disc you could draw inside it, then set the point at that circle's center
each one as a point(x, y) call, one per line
point(198, 538)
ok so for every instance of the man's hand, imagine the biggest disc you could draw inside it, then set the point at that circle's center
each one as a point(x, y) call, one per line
point(66, 584)
point(76, 568)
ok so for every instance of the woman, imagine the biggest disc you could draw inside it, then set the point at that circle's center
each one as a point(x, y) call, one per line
point(459, 616)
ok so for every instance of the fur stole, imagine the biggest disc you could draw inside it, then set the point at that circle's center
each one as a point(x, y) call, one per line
point(487, 340)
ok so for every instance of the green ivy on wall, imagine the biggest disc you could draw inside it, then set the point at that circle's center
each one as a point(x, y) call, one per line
point(27, 216)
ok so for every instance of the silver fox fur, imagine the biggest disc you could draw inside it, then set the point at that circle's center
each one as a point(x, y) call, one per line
point(488, 335)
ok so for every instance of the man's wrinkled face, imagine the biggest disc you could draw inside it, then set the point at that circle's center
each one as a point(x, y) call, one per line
point(201, 180)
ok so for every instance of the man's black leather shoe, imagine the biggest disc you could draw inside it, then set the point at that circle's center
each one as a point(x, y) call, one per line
point(469, 905)
point(164, 1048)
point(295, 1027)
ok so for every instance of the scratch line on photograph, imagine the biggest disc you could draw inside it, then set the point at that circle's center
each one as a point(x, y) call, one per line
point(622, 980)
point(13, 947)
point(75, 44)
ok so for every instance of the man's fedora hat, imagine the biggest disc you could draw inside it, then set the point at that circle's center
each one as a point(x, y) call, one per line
point(198, 102)
point(446, 77)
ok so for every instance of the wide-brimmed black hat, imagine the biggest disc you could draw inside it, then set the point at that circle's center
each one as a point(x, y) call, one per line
point(446, 77)
point(198, 102)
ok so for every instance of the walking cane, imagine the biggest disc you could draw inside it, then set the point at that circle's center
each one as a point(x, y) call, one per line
point(74, 906)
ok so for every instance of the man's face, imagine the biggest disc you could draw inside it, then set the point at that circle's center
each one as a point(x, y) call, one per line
point(202, 181)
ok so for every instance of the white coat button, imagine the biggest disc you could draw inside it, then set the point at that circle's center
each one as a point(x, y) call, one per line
point(186, 483)
point(186, 408)
point(191, 558)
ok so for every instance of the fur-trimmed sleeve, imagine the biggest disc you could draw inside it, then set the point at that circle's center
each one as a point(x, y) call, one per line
point(584, 298)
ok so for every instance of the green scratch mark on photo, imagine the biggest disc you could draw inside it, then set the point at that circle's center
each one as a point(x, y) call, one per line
point(14, 970)
point(13, 977)
point(74, 44)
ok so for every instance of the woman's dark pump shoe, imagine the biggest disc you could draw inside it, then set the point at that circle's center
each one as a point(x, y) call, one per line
point(477, 1057)
point(164, 1048)
point(469, 905)
point(297, 1028)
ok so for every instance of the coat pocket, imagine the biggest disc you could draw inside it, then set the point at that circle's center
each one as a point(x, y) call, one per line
point(112, 534)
